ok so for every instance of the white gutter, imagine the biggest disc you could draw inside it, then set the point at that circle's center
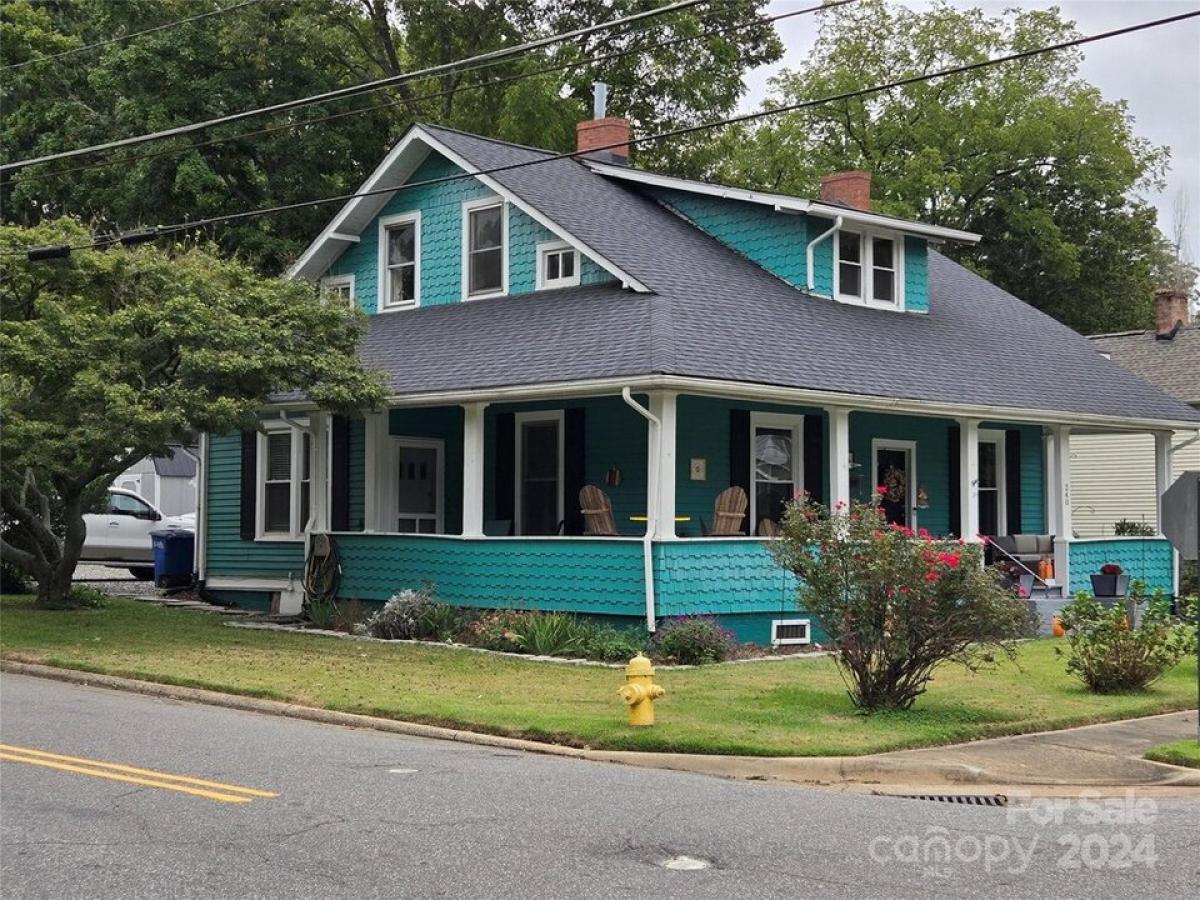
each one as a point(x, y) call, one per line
point(198, 547)
point(655, 427)
point(837, 223)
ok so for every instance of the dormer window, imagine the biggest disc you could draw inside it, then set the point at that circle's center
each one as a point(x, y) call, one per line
point(558, 265)
point(485, 248)
point(869, 270)
point(399, 261)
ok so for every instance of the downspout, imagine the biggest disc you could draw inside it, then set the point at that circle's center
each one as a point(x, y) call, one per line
point(198, 561)
point(837, 223)
point(655, 427)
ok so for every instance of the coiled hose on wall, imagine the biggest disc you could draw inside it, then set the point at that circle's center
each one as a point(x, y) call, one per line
point(322, 570)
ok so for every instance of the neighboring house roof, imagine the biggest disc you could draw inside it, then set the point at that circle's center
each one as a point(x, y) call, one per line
point(714, 314)
point(1173, 365)
point(177, 465)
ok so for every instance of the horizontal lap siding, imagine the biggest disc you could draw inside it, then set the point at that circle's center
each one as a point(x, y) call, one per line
point(1149, 559)
point(357, 450)
point(227, 553)
point(720, 577)
point(583, 576)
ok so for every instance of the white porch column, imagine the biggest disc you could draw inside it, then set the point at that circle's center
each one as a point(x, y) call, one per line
point(839, 456)
point(472, 476)
point(1060, 501)
point(375, 430)
point(1162, 472)
point(1051, 491)
point(968, 475)
point(661, 489)
point(318, 484)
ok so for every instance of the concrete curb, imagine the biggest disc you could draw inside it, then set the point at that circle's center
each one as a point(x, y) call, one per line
point(824, 770)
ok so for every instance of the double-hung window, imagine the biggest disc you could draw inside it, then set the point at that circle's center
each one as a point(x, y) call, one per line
point(775, 443)
point(284, 481)
point(399, 262)
point(869, 269)
point(485, 236)
point(338, 288)
point(558, 265)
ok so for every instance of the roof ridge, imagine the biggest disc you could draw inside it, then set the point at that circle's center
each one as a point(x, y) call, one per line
point(484, 137)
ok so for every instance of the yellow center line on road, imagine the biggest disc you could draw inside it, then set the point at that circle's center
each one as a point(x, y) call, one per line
point(212, 790)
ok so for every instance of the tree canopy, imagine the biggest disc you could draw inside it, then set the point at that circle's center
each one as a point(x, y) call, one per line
point(276, 50)
point(1027, 154)
point(111, 355)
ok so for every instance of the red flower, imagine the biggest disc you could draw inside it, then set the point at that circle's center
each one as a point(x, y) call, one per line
point(881, 489)
point(931, 576)
point(924, 533)
point(950, 560)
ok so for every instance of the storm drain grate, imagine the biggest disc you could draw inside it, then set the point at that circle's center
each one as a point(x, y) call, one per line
point(966, 799)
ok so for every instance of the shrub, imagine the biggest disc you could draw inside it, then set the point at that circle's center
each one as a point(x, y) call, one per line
point(12, 580)
point(497, 629)
point(319, 611)
point(609, 644)
point(895, 604)
point(84, 596)
point(1130, 528)
point(691, 641)
point(1111, 569)
point(1109, 655)
point(415, 615)
point(348, 614)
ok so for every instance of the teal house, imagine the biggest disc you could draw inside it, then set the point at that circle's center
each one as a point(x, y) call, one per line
point(548, 323)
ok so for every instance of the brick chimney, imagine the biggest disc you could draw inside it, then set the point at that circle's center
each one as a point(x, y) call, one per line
point(602, 131)
point(1171, 308)
point(848, 188)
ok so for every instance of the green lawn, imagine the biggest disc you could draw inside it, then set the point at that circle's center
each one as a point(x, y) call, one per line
point(1177, 753)
point(796, 707)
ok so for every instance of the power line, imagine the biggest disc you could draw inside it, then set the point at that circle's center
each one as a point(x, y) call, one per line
point(127, 37)
point(161, 231)
point(366, 87)
point(592, 60)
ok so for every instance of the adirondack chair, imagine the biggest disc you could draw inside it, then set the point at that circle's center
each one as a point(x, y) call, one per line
point(728, 512)
point(597, 512)
point(768, 528)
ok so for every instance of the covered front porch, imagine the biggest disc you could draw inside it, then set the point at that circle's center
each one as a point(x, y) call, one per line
point(482, 498)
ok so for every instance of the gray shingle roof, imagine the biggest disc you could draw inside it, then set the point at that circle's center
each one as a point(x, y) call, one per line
point(1172, 365)
point(714, 314)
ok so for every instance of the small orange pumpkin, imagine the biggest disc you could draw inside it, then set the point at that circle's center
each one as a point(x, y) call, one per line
point(1057, 627)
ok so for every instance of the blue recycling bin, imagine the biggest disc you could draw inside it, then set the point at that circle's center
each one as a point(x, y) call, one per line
point(173, 554)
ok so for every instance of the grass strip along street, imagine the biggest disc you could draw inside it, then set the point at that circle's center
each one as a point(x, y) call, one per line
point(781, 708)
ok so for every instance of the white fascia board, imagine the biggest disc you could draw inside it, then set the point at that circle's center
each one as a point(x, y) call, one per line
point(783, 203)
point(600, 259)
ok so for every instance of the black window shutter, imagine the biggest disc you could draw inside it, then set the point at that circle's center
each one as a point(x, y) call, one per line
point(574, 466)
point(339, 473)
point(954, 436)
point(249, 495)
point(739, 455)
point(506, 463)
point(814, 456)
point(1012, 479)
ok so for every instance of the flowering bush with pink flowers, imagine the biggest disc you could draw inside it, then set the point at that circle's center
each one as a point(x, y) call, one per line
point(895, 603)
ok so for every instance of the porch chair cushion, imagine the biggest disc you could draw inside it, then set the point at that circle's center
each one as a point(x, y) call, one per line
point(1026, 548)
point(597, 512)
point(728, 511)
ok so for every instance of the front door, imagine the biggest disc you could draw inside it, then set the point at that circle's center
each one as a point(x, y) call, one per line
point(539, 473)
point(418, 486)
point(893, 478)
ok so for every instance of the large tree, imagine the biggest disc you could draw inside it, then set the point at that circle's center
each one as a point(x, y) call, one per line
point(275, 50)
point(1027, 154)
point(109, 355)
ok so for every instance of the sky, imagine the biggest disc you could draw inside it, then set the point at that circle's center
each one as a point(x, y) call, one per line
point(1156, 71)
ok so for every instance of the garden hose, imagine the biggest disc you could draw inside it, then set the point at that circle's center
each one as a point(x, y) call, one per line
point(322, 571)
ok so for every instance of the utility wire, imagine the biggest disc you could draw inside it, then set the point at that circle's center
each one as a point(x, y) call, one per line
point(303, 123)
point(153, 233)
point(366, 87)
point(126, 37)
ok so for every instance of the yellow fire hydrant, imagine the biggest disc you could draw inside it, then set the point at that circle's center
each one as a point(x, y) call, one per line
point(640, 691)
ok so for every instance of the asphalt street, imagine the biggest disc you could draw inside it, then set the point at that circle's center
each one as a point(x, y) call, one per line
point(284, 808)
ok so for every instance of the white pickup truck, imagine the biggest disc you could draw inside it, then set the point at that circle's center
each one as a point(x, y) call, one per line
point(119, 536)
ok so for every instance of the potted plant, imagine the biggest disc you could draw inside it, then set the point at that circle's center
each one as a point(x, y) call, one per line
point(1111, 582)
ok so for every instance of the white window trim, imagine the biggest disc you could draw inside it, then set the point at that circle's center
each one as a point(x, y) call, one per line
point(775, 420)
point(393, 502)
point(867, 281)
point(546, 247)
point(777, 641)
point(910, 447)
point(468, 207)
point(999, 438)
point(382, 282)
point(521, 419)
point(332, 282)
point(296, 530)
